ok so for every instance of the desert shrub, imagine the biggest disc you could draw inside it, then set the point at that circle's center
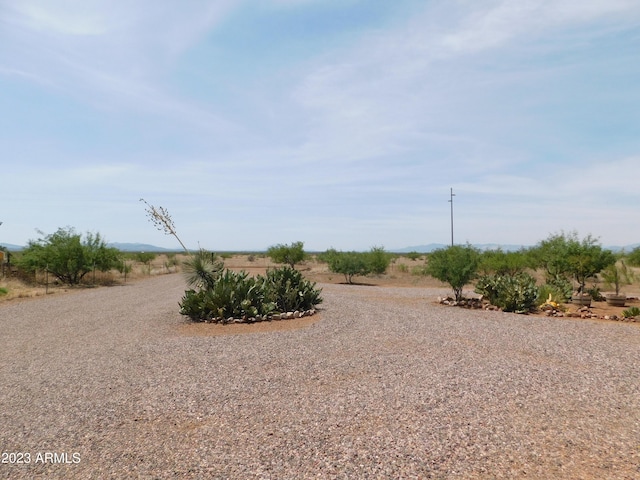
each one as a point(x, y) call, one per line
point(378, 260)
point(3, 291)
point(68, 256)
point(232, 295)
point(194, 305)
point(567, 256)
point(633, 257)
point(402, 268)
point(504, 263)
point(287, 254)
point(512, 293)
point(145, 257)
point(413, 255)
point(455, 265)
point(349, 264)
point(236, 294)
point(563, 288)
point(352, 264)
point(547, 291)
point(631, 312)
point(419, 270)
point(124, 268)
point(323, 257)
point(595, 293)
point(288, 290)
point(172, 261)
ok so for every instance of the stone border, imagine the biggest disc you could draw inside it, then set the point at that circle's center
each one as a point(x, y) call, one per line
point(261, 318)
point(584, 312)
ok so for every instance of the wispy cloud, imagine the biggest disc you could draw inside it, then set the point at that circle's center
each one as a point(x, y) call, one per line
point(528, 102)
point(110, 54)
point(492, 24)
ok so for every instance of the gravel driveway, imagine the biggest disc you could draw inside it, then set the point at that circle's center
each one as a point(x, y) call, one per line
point(103, 384)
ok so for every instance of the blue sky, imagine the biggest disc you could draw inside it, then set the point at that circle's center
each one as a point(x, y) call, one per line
point(340, 123)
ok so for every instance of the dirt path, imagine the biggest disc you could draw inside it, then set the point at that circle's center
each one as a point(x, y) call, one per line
point(383, 384)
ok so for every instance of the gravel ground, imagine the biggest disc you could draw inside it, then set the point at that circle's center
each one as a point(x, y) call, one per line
point(385, 385)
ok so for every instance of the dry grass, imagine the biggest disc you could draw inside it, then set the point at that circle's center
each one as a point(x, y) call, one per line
point(43, 285)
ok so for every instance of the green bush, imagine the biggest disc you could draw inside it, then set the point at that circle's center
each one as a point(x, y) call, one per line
point(633, 258)
point(631, 312)
point(378, 260)
point(500, 262)
point(237, 295)
point(352, 264)
point(455, 265)
point(567, 256)
point(595, 293)
point(67, 256)
point(557, 295)
point(145, 257)
point(512, 293)
point(287, 254)
point(289, 291)
point(419, 270)
point(3, 291)
point(349, 264)
point(561, 287)
point(413, 255)
point(232, 295)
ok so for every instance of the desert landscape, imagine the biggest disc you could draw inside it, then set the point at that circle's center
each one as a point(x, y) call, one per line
point(401, 273)
point(382, 383)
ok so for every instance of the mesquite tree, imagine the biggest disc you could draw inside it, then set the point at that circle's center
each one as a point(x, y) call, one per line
point(455, 265)
point(67, 256)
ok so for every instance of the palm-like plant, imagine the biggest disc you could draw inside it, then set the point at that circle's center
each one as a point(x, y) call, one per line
point(616, 276)
point(203, 269)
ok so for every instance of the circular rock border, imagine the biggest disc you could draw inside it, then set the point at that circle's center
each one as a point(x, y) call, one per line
point(262, 318)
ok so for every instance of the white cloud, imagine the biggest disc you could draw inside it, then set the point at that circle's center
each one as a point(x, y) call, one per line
point(64, 17)
point(492, 24)
point(103, 49)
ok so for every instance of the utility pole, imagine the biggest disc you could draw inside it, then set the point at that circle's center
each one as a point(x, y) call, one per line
point(451, 202)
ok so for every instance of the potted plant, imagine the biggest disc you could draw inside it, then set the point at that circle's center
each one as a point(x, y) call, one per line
point(615, 276)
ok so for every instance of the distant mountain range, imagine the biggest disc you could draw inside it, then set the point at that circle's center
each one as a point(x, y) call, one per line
point(11, 247)
point(436, 246)
point(123, 247)
point(139, 247)
point(145, 247)
point(494, 246)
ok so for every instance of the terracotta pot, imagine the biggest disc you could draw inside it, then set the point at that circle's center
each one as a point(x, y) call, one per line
point(616, 300)
point(583, 299)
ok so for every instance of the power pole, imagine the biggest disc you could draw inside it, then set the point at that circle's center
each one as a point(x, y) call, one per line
point(451, 202)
